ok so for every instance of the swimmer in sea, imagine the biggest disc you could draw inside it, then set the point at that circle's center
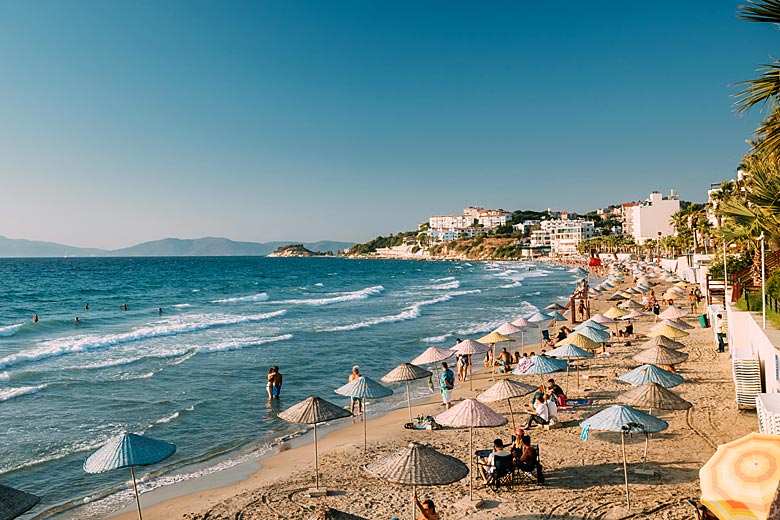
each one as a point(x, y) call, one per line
point(124, 306)
point(76, 320)
point(86, 306)
point(159, 311)
point(35, 318)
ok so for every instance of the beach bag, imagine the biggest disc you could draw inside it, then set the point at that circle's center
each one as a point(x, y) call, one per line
point(561, 398)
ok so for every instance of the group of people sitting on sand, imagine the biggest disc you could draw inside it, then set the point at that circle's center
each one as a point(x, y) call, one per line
point(524, 456)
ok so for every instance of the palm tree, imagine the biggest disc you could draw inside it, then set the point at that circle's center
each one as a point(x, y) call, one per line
point(763, 91)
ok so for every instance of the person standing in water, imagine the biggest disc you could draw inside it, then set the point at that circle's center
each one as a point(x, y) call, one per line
point(276, 383)
point(270, 383)
point(355, 400)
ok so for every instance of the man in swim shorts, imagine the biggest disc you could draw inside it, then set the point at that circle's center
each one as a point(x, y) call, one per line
point(447, 383)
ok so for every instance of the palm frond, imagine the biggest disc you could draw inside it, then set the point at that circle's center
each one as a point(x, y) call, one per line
point(761, 11)
point(760, 91)
point(768, 135)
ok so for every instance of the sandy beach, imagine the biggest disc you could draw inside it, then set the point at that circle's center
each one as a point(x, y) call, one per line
point(584, 479)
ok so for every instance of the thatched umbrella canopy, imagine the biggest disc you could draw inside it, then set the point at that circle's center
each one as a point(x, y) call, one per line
point(14, 502)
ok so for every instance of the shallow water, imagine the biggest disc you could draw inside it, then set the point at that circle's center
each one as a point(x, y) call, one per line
point(195, 374)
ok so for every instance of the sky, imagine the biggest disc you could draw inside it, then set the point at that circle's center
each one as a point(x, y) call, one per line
point(127, 121)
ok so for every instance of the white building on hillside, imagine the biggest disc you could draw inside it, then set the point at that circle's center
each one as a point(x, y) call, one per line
point(473, 220)
point(651, 218)
point(562, 235)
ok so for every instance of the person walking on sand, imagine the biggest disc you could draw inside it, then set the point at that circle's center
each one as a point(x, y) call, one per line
point(447, 383)
point(355, 400)
point(427, 509)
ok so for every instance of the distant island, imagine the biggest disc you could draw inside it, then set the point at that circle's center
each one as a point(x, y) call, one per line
point(297, 251)
point(207, 246)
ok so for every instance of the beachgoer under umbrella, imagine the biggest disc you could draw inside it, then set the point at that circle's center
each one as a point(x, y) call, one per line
point(427, 509)
point(556, 392)
point(540, 412)
point(498, 451)
point(528, 456)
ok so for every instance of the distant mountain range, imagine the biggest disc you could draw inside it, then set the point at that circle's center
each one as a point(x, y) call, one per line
point(208, 246)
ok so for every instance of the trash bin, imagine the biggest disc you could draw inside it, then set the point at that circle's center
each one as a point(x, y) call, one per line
point(704, 321)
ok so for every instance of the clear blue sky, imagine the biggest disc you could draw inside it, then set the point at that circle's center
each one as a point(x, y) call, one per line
point(129, 121)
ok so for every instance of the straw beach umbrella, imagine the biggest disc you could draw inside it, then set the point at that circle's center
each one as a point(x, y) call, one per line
point(314, 410)
point(541, 365)
point(127, 451)
point(506, 389)
point(668, 331)
point(471, 414)
point(633, 315)
point(404, 373)
point(604, 320)
point(672, 313)
point(554, 307)
point(431, 356)
point(739, 482)
point(615, 313)
point(652, 374)
point(14, 502)
point(659, 355)
point(662, 341)
point(537, 320)
point(327, 513)
point(653, 396)
point(593, 324)
point(623, 419)
point(569, 351)
point(418, 465)
point(677, 324)
point(578, 340)
point(364, 388)
point(593, 334)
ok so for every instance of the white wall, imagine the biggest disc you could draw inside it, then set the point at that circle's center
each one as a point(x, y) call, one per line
point(747, 340)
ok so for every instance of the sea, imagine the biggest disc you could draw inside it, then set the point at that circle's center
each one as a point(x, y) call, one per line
point(195, 374)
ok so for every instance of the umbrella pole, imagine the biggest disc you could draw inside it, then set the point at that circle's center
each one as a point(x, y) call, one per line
point(137, 499)
point(512, 414)
point(644, 460)
point(567, 377)
point(625, 468)
point(493, 368)
point(409, 401)
point(522, 342)
point(316, 460)
point(471, 461)
point(365, 434)
point(436, 370)
point(578, 374)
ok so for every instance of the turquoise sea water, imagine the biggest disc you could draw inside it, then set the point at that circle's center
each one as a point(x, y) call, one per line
point(195, 375)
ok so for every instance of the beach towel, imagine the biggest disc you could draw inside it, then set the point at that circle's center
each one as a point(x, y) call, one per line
point(579, 402)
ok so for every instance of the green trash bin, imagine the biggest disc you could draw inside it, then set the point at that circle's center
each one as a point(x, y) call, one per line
point(704, 321)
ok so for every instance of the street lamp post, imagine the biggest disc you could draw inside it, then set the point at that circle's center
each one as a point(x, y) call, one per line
point(763, 284)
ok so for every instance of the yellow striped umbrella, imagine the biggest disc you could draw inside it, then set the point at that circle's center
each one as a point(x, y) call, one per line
point(740, 480)
point(578, 340)
point(615, 312)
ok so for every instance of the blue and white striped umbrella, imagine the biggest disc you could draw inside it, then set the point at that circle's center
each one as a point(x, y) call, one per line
point(592, 333)
point(542, 365)
point(652, 374)
point(14, 502)
point(126, 451)
point(569, 351)
point(592, 324)
point(364, 388)
point(538, 317)
point(622, 418)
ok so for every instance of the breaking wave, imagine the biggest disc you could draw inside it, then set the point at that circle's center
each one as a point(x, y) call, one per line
point(261, 297)
point(343, 297)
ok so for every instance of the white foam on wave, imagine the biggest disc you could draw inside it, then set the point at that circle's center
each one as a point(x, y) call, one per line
point(169, 327)
point(409, 314)
point(5, 376)
point(237, 344)
point(319, 284)
point(436, 339)
point(167, 418)
point(260, 297)
point(341, 297)
point(10, 393)
point(454, 284)
point(10, 330)
point(445, 279)
point(181, 305)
